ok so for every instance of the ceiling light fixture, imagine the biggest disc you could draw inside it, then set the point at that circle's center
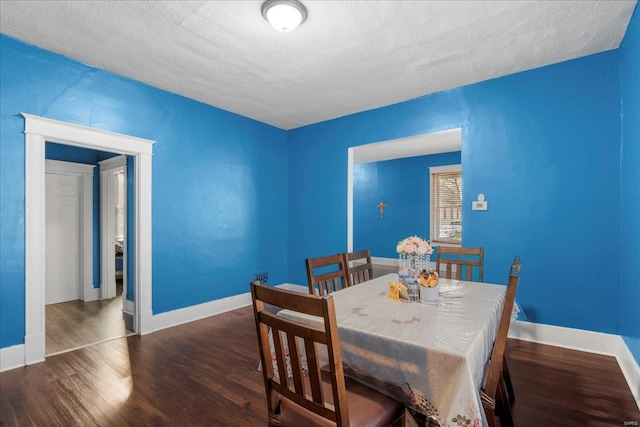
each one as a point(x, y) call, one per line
point(284, 15)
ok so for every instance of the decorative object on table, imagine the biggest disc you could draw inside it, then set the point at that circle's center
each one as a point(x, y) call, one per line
point(398, 292)
point(413, 289)
point(414, 254)
point(430, 291)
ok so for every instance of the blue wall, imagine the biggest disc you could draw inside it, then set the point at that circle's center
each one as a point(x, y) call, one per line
point(542, 145)
point(219, 191)
point(630, 187)
point(69, 153)
point(404, 185)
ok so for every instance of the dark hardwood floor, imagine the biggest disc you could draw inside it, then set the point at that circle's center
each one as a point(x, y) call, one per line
point(75, 324)
point(381, 270)
point(205, 373)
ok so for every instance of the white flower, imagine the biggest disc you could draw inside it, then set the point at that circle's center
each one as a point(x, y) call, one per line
point(421, 250)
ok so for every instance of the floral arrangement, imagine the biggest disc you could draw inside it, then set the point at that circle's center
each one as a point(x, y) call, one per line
point(414, 245)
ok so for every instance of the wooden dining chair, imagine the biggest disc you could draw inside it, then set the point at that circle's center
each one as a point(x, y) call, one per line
point(327, 274)
point(494, 394)
point(359, 266)
point(466, 259)
point(312, 397)
point(444, 258)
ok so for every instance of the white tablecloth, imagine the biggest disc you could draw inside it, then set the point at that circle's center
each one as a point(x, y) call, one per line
point(429, 356)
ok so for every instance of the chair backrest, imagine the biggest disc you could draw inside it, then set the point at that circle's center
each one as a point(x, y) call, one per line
point(303, 389)
point(331, 277)
point(463, 259)
point(493, 373)
point(359, 266)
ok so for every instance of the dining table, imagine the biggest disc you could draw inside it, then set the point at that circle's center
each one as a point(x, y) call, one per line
point(429, 356)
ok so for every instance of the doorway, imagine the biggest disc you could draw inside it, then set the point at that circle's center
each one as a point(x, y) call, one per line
point(78, 311)
point(37, 131)
point(413, 146)
point(113, 225)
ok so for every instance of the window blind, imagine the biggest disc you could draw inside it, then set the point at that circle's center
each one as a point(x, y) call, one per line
point(446, 206)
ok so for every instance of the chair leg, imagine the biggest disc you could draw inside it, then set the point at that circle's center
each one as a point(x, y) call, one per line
point(489, 405)
point(503, 409)
point(489, 414)
point(507, 380)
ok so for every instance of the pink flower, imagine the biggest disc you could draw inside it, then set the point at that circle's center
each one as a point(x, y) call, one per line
point(414, 245)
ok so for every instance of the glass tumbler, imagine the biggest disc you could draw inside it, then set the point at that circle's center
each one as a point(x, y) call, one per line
point(413, 289)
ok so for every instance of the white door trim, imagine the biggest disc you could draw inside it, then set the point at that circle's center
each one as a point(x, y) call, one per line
point(85, 172)
point(37, 131)
point(107, 218)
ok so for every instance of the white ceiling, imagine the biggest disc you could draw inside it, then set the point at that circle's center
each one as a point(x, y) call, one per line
point(348, 56)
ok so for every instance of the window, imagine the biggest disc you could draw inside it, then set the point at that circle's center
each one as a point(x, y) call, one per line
point(446, 204)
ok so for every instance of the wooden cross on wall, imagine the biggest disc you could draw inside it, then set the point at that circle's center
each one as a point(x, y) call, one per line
point(381, 206)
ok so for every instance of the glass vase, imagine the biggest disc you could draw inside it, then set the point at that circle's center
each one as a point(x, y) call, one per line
point(421, 264)
point(412, 265)
point(403, 265)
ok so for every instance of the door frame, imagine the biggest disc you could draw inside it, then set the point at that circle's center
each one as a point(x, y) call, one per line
point(107, 168)
point(85, 174)
point(37, 131)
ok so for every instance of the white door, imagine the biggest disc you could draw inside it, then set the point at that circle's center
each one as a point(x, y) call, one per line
point(62, 238)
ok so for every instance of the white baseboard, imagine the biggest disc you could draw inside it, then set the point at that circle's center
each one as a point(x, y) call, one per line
point(11, 357)
point(90, 293)
point(16, 356)
point(582, 340)
point(558, 336)
point(295, 288)
point(129, 307)
point(630, 369)
point(200, 311)
point(211, 308)
point(34, 348)
point(145, 320)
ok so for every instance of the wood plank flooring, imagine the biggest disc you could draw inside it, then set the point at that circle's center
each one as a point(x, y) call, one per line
point(381, 270)
point(205, 373)
point(75, 324)
point(561, 387)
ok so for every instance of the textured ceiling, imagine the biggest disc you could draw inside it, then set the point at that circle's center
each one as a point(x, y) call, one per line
point(348, 56)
